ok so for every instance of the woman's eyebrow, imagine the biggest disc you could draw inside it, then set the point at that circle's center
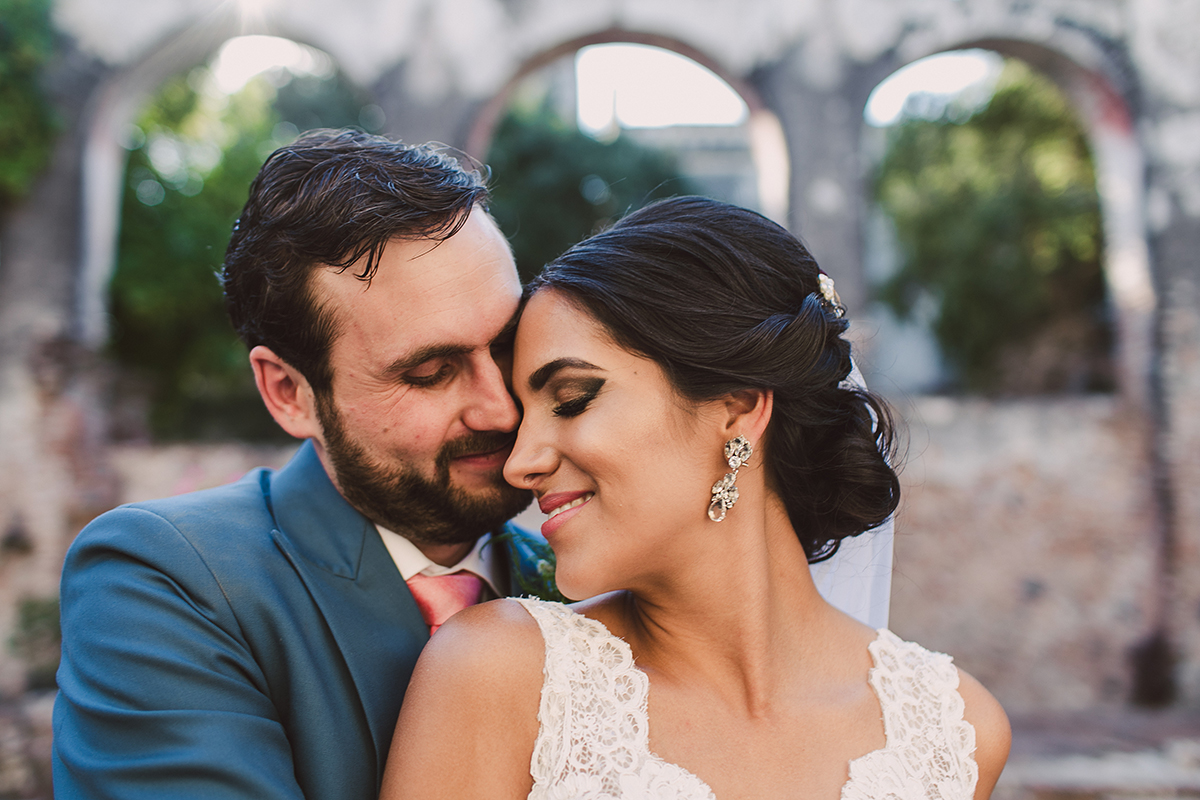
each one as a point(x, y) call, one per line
point(542, 374)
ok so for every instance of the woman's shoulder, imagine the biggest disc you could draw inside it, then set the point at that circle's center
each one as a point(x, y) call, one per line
point(486, 655)
point(993, 734)
point(470, 714)
point(497, 637)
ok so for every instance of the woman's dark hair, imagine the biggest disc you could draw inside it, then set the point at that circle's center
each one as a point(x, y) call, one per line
point(332, 198)
point(723, 299)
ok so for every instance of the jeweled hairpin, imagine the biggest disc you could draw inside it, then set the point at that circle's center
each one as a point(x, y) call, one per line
point(830, 295)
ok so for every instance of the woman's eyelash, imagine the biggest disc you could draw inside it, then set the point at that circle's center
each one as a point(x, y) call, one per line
point(576, 405)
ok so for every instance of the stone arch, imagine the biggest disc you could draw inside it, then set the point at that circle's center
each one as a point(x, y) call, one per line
point(767, 143)
point(114, 106)
point(1106, 100)
point(1105, 113)
point(1104, 110)
point(1100, 87)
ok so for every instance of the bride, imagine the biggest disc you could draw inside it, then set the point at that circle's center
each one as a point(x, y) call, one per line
point(687, 429)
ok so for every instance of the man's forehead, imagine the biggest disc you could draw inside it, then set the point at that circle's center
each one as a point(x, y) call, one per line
point(477, 252)
point(397, 319)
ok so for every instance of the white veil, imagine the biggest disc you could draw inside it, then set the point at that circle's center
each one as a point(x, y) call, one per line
point(858, 579)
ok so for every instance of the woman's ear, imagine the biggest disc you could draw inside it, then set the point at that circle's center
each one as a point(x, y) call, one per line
point(286, 393)
point(748, 412)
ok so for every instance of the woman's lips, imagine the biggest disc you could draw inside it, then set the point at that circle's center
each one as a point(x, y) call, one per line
point(561, 506)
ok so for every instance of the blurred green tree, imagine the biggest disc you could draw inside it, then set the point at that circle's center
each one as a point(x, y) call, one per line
point(27, 122)
point(194, 152)
point(553, 185)
point(998, 222)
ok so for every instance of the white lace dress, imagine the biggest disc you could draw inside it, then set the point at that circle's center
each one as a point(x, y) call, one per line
point(593, 741)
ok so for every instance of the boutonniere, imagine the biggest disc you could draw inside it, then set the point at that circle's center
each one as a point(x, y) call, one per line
point(533, 566)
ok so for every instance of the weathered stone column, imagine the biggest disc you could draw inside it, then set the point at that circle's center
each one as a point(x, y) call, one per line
point(52, 422)
point(819, 97)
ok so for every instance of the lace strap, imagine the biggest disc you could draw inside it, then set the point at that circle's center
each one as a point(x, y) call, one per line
point(551, 748)
point(593, 703)
point(923, 715)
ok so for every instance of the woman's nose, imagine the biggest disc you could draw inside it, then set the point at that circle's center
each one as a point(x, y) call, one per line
point(529, 460)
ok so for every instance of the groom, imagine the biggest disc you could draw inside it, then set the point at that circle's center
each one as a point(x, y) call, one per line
point(255, 640)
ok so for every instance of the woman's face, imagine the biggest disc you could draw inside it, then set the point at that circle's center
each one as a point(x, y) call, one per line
point(620, 462)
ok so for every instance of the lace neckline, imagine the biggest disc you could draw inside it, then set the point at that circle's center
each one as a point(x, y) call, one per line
point(594, 728)
point(642, 700)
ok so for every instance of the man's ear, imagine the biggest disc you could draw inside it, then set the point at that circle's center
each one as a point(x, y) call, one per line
point(286, 393)
point(747, 413)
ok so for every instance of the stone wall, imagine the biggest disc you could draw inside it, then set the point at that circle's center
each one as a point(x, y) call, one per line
point(1023, 547)
point(1181, 379)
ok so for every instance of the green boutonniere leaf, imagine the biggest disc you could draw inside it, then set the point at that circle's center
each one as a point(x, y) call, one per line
point(533, 566)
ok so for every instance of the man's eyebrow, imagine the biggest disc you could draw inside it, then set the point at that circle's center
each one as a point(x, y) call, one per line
point(419, 357)
point(538, 379)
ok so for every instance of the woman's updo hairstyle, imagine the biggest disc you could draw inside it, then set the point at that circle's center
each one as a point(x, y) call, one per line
point(723, 299)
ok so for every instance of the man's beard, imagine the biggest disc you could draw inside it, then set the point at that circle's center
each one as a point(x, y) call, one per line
point(401, 499)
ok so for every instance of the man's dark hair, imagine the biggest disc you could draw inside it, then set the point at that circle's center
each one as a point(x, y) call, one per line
point(330, 199)
point(723, 299)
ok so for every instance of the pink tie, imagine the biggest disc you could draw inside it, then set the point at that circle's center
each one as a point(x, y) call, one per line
point(440, 597)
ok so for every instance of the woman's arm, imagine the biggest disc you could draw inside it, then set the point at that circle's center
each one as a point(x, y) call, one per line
point(469, 719)
point(993, 736)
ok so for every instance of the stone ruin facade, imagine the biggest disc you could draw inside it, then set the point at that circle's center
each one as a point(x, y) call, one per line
point(1044, 542)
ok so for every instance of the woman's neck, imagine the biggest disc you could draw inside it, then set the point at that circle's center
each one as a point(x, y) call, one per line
point(740, 613)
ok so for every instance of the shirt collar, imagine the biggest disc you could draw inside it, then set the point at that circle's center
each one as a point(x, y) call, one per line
point(411, 561)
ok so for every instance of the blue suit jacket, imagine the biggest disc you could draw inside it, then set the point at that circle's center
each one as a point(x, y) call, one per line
point(250, 641)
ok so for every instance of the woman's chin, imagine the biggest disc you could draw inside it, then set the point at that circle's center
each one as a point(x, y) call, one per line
point(577, 587)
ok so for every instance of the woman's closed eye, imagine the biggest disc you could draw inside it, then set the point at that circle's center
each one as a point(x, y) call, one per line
point(574, 399)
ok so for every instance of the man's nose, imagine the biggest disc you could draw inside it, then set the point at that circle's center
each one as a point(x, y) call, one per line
point(491, 407)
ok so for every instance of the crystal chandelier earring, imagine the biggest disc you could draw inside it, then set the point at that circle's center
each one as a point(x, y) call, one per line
point(725, 491)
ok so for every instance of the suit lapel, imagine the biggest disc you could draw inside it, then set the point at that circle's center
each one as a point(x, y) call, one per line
point(347, 570)
point(354, 582)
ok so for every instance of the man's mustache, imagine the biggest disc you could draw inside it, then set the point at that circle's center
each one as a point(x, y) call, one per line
point(473, 444)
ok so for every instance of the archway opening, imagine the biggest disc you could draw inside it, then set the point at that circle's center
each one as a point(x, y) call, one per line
point(192, 150)
point(603, 125)
point(985, 249)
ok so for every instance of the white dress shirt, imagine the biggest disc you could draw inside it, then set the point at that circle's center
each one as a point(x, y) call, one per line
point(481, 560)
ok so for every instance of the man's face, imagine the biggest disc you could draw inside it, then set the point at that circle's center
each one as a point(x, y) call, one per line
point(420, 421)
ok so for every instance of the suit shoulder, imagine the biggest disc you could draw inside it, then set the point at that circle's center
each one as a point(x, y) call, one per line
point(223, 513)
point(221, 535)
point(241, 499)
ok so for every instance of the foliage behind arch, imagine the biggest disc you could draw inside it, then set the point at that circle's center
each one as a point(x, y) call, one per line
point(998, 222)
